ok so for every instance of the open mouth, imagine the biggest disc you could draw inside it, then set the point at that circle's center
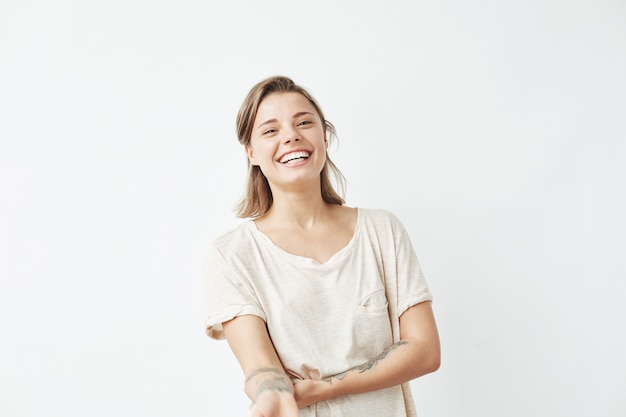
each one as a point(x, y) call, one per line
point(294, 157)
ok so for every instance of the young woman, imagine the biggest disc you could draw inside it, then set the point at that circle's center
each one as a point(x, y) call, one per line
point(324, 306)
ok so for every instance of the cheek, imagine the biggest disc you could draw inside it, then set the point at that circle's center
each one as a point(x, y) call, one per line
point(263, 153)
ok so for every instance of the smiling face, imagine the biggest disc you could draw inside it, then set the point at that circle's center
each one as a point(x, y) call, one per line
point(288, 141)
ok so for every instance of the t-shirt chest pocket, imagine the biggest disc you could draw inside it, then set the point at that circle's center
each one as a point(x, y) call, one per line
point(374, 302)
point(371, 327)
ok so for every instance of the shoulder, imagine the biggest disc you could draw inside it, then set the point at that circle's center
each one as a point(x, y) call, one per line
point(384, 224)
point(380, 217)
point(233, 240)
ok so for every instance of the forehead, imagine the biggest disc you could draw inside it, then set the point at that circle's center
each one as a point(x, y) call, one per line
point(283, 105)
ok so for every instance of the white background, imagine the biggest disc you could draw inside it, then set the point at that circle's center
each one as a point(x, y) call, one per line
point(495, 130)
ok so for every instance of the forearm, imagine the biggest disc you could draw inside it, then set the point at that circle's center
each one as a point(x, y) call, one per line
point(399, 363)
point(267, 384)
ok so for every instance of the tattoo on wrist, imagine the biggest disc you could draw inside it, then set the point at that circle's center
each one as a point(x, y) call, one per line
point(369, 364)
point(271, 379)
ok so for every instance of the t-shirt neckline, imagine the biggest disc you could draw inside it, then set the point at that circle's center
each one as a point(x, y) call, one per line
point(305, 259)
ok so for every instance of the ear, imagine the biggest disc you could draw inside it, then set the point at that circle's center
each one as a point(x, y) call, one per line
point(250, 155)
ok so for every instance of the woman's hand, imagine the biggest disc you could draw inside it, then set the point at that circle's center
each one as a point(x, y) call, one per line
point(310, 391)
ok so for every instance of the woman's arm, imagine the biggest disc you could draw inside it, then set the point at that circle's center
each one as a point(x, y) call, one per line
point(267, 385)
point(416, 354)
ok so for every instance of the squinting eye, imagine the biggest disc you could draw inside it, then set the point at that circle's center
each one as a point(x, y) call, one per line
point(269, 131)
point(305, 122)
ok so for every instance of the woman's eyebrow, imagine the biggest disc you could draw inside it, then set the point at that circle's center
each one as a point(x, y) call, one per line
point(267, 122)
point(302, 113)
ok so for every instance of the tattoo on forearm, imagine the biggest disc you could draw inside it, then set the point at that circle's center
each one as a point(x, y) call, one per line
point(369, 364)
point(271, 379)
point(259, 371)
point(280, 384)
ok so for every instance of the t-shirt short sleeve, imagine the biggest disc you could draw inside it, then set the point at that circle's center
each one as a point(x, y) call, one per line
point(228, 293)
point(412, 286)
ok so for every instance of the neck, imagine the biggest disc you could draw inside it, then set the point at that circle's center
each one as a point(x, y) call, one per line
point(298, 208)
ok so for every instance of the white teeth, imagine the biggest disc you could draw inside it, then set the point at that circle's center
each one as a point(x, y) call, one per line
point(294, 155)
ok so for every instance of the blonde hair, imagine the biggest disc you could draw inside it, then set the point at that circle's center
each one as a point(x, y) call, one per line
point(258, 197)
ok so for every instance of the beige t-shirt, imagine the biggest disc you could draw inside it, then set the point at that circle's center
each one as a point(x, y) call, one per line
point(323, 318)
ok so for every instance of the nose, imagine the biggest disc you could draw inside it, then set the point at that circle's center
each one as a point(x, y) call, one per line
point(290, 135)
